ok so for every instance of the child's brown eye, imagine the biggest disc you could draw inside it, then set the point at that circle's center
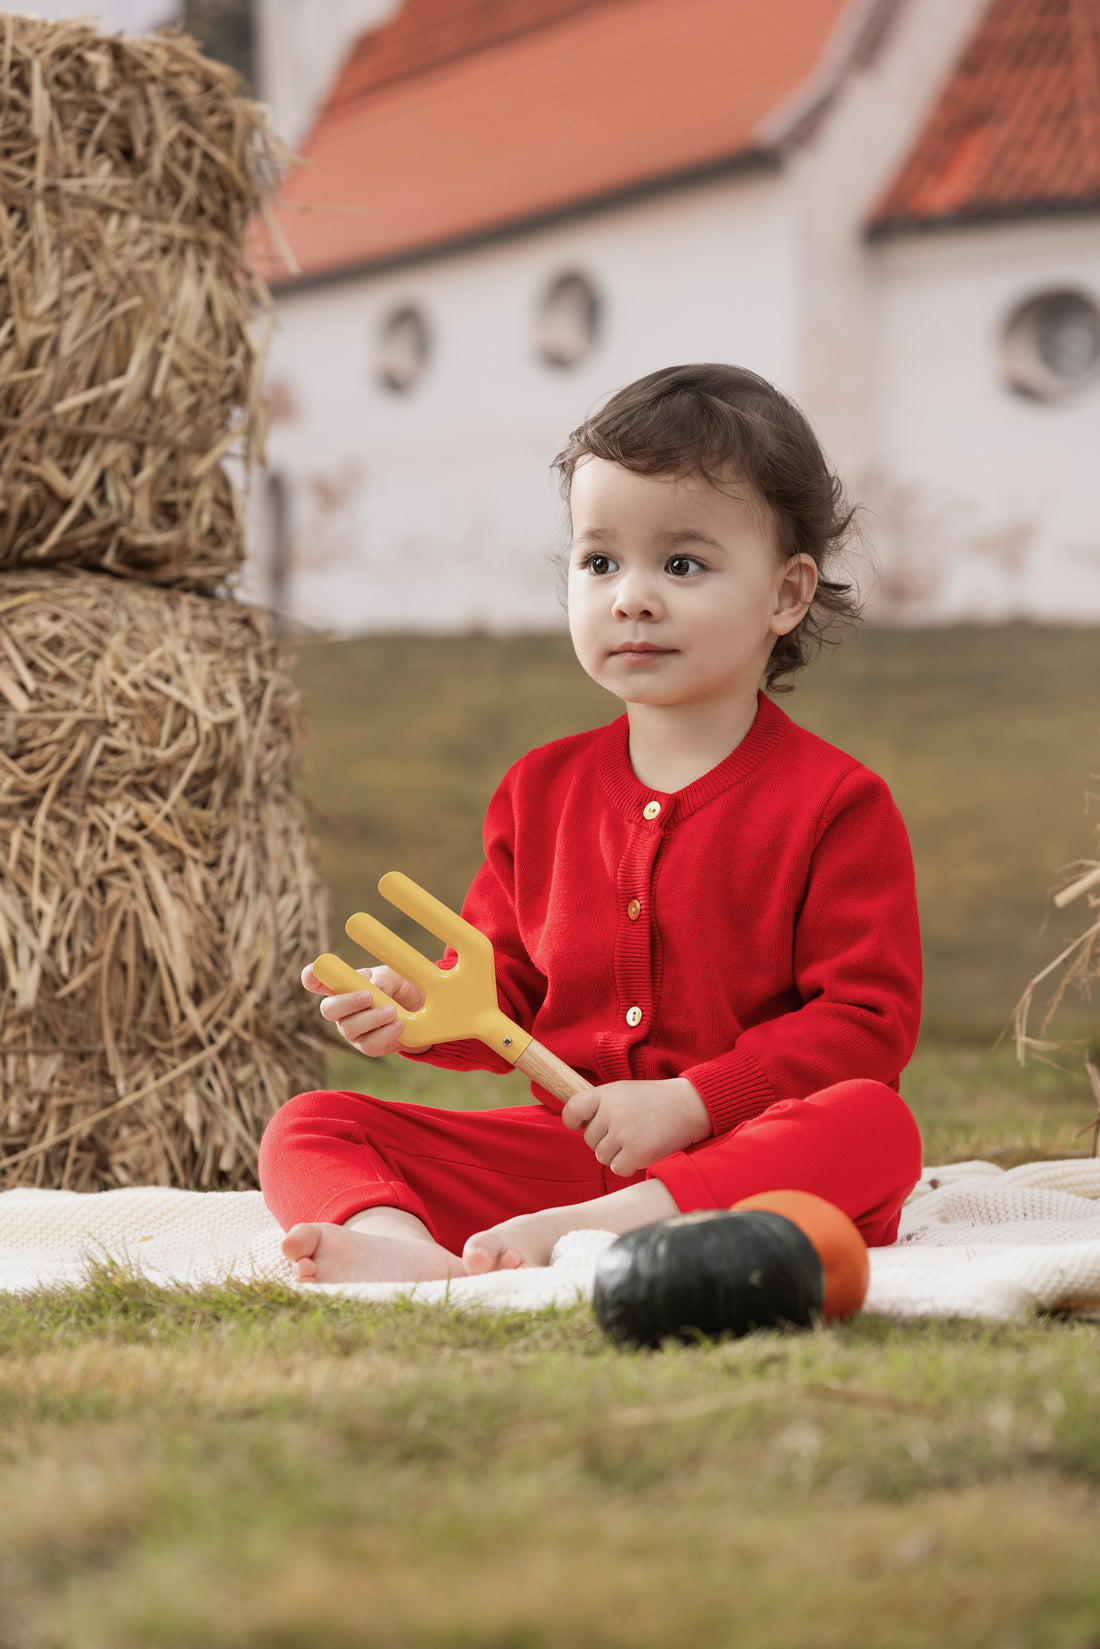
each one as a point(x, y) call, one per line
point(598, 563)
point(682, 566)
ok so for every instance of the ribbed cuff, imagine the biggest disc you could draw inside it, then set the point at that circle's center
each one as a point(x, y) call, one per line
point(373, 1194)
point(468, 1055)
point(733, 1089)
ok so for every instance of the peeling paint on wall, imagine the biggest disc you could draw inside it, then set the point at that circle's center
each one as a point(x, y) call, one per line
point(281, 402)
point(1007, 546)
point(910, 536)
point(330, 534)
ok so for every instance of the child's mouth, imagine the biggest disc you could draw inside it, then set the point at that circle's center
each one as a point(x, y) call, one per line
point(642, 650)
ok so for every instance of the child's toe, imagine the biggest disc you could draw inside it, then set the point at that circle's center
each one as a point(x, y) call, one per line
point(480, 1255)
point(300, 1243)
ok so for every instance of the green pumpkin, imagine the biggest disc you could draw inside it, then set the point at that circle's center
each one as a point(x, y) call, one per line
point(711, 1273)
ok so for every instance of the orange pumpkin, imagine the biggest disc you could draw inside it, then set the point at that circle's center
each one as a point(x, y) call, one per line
point(840, 1248)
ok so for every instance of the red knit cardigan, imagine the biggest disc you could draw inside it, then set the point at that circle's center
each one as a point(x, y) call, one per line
point(755, 932)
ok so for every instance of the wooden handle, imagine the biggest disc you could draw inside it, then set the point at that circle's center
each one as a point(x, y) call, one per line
point(550, 1072)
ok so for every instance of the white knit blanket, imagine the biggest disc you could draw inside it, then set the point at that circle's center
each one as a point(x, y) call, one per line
point(976, 1241)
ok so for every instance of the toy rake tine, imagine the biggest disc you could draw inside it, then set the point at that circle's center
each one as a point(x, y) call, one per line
point(340, 978)
point(431, 913)
point(376, 938)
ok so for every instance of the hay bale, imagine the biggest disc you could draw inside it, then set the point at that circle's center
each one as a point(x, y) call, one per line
point(129, 170)
point(158, 890)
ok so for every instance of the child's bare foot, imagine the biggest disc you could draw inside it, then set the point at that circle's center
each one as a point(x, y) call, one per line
point(380, 1245)
point(529, 1238)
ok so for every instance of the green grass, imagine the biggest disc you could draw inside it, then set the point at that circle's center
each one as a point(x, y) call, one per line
point(989, 737)
point(972, 1103)
point(248, 1466)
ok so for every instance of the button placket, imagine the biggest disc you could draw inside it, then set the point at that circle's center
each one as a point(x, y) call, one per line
point(634, 961)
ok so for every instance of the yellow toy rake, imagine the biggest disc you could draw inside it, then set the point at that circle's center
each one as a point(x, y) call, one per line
point(459, 1002)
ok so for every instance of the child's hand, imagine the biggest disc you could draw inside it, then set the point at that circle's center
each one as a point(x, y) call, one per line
point(372, 1031)
point(631, 1125)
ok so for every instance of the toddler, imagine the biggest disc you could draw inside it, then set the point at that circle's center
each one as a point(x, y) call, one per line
point(706, 910)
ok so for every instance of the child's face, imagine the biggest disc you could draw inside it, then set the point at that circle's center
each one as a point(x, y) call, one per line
point(676, 590)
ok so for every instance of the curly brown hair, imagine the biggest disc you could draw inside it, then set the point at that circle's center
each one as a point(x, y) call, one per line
point(726, 423)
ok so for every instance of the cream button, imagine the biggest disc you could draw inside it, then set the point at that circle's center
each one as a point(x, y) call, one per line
point(634, 1016)
point(634, 910)
point(651, 810)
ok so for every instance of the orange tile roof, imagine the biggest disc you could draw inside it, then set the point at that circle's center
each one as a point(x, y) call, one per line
point(1017, 127)
point(423, 36)
point(462, 117)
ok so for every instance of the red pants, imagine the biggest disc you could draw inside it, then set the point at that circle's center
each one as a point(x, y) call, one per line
point(327, 1156)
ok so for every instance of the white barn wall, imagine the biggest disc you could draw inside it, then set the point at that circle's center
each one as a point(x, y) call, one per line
point(435, 509)
point(836, 178)
point(987, 502)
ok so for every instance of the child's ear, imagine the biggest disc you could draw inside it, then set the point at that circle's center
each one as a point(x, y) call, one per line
point(795, 590)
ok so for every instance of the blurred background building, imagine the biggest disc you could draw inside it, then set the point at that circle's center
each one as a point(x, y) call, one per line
point(509, 208)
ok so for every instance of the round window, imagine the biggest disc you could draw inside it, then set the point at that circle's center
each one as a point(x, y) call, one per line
point(403, 348)
point(568, 320)
point(1052, 345)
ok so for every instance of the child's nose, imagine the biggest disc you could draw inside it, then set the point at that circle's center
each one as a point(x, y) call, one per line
point(636, 594)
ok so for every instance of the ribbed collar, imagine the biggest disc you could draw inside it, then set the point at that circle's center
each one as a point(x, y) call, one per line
point(629, 796)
